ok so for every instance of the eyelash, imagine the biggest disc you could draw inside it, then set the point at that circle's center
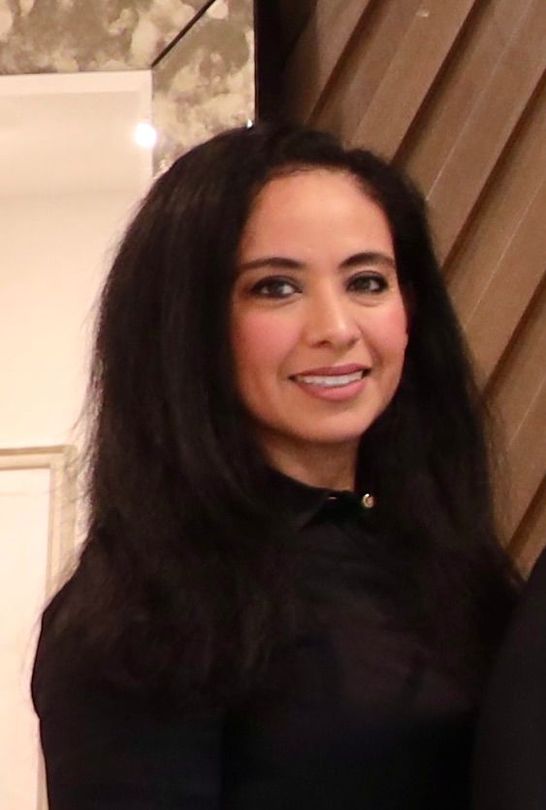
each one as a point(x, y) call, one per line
point(379, 281)
point(260, 289)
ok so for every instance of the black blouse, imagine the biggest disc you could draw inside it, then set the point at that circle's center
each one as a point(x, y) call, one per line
point(357, 716)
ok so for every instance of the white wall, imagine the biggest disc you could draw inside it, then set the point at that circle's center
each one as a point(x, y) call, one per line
point(24, 512)
point(53, 259)
point(54, 254)
point(70, 174)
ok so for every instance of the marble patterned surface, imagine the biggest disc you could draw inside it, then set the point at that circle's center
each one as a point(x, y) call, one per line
point(203, 85)
point(206, 83)
point(65, 36)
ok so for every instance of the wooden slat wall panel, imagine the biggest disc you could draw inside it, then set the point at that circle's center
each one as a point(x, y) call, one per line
point(513, 282)
point(327, 34)
point(485, 132)
point(527, 457)
point(297, 14)
point(455, 92)
point(528, 541)
point(419, 56)
point(522, 371)
point(517, 394)
point(372, 47)
point(458, 89)
point(516, 183)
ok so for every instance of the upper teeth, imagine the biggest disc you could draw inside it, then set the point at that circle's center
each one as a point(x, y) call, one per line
point(330, 381)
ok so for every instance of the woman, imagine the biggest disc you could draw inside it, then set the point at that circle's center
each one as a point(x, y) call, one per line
point(291, 588)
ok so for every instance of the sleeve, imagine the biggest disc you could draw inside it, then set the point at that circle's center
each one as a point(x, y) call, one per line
point(109, 751)
point(510, 764)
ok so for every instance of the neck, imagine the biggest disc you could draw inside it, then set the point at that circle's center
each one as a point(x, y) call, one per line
point(326, 466)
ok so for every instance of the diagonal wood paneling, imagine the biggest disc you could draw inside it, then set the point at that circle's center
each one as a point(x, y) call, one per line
point(510, 191)
point(483, 134)
point(362, 65)
point(455, 92)
point(527, 457)
point(528, 541)
point(494, 318)
point(325, 37)
point(420, 54)
point(517, 393)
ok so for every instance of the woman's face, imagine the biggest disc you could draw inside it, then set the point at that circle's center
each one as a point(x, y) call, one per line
point(318, 323)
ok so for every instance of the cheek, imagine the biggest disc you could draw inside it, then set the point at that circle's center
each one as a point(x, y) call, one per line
point(391, 334)
point(261, 342)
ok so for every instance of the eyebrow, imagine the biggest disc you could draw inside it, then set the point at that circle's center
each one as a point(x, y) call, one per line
point(285, 263)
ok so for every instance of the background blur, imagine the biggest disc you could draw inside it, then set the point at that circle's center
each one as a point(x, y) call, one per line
point(82, 83)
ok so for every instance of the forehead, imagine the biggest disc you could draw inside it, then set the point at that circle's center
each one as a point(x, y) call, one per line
point(298, 181)
point(313, 205)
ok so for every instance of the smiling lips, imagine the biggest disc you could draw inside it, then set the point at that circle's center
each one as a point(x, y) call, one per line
point(334, 382)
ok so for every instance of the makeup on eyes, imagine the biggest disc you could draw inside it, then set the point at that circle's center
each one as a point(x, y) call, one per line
point(270, 286)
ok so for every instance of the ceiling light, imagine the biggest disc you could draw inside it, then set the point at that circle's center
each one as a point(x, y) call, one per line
point(145, 135)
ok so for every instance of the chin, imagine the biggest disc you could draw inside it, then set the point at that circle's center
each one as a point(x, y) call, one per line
point(348, 434)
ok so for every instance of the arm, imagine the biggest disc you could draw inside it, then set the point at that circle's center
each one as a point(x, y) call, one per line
point(109, 751)
point(511, 749)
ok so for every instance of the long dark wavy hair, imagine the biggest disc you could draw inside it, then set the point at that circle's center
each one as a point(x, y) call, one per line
point(182, 586)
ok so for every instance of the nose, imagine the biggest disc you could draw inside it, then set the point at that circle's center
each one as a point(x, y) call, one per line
point(330, 321)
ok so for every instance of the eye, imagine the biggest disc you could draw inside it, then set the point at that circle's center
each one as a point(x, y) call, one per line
point(368, 283)
point(273, 287)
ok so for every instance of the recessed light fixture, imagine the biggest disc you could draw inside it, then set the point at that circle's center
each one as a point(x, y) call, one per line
point(145, 135)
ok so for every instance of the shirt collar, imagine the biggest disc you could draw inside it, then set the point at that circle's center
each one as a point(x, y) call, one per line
point(303, 502)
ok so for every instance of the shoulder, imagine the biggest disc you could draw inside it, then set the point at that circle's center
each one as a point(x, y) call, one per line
point(511, 746)
point(535, 589)
point(56, 663)
point(102, 742)
point(527, 631)
point(523, 652)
